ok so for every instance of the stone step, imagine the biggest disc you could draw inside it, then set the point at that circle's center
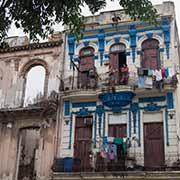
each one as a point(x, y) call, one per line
point(134, 175)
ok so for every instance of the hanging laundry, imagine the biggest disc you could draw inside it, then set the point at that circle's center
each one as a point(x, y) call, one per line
point(145, 72)
point(175, 70)
point(111, 156)
point(105, 147)
point(166, 72)
point(119, 141)
point(158, 75)
point(105, 140)
point(141, 81)
point(125, 139)
point(171, 72)
point(163, 72)
point(124, 148)
point(112, 148)
point(148, 82)
point(150, 73)
point(110, 139)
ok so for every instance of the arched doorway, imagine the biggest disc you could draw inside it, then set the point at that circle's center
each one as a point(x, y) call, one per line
point(117, 61)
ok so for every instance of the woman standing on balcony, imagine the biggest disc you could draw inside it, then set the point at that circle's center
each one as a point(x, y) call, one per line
point(112, 79)
point(124, 74)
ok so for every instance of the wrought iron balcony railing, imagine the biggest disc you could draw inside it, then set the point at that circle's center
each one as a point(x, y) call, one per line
point(104, 81)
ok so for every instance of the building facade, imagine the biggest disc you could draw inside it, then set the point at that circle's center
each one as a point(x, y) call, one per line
point(110, 101)
point(28, 132)
point(120, 84)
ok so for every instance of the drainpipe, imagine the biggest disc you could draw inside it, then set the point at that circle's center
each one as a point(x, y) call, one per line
point(60, 104)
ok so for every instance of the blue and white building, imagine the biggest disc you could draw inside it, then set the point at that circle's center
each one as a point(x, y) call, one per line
point(143, 109)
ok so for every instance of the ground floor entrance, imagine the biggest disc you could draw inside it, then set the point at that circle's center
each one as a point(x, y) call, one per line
point(153, 145)
point(118, 131)
point(82, 144)
point(27, 153)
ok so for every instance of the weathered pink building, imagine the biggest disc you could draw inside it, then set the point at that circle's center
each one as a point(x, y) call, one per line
point(28, 132)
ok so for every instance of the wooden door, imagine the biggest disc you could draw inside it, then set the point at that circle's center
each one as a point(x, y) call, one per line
point(82, 145)
point(150, 54)
point(153, 145)
point(114, 63)
point(119, 130)
point(85, 64)
point(150, 59)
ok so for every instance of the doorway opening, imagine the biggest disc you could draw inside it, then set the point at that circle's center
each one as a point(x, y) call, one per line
point(118, 64)
point(122, 59)
point(28, 153)
point(118, 130)
point(153, 146)
point(82, 145)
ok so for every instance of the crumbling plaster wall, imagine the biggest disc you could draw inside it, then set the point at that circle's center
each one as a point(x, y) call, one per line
point(14, 67)
point(13, 70)
point(9, 148)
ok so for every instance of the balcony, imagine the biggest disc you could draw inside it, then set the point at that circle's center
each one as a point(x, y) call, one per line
point(103, 83)
point(116, 171)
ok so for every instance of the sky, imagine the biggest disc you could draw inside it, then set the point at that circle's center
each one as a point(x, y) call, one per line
point(34, 84)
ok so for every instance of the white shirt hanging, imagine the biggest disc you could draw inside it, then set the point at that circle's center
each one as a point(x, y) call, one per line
point(158, 75)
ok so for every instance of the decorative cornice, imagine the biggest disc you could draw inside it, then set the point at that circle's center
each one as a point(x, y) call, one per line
point(117, 99)
point(31, 46)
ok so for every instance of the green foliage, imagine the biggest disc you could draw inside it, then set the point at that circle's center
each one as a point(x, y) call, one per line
point(37, 17)
point(140, 9)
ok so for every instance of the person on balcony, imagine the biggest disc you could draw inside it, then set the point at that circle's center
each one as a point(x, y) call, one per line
point(124, 74)
point(92, 77)
point(112, 79)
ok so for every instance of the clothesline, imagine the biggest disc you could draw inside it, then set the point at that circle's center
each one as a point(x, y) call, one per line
point(149, 78)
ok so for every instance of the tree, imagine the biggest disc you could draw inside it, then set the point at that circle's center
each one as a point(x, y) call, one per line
point(37, 17)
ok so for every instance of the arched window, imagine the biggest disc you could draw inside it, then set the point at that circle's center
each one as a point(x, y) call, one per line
point(150, 54)
point(117, 60)
point(118, 48)
point(34, 85)
point(86, 57)
point(86, 63)
point(117, 55)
